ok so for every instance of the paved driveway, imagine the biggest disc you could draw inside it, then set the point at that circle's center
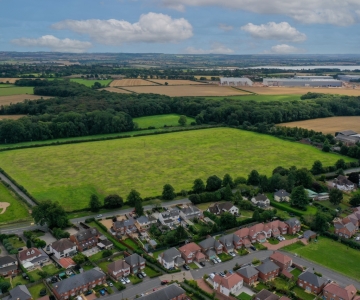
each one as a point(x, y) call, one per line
point(48, 238)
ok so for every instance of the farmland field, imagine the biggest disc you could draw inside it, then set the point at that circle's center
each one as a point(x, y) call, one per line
point(6, 85)
point(9, 80)
point(188, 90)
point(328, 125)
point(160, 120)
point(11, 117)
point(260, 98)
point(301, 90)
point(90, 82)
point(116, 90)
point(175, 82)
point(6, 100)
point(17, 209)
point(71, 173)
point(130, 82)
point(16, 91)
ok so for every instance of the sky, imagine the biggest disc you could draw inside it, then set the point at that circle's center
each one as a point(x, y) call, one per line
point(181, 26)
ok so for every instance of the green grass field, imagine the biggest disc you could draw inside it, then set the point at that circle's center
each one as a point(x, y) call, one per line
point(71, 173)
point(91, 82)
point(331, 254)
point(259, 98)
point(17, 211)
point(6, 85)
point(16, 91)
point(160, 120)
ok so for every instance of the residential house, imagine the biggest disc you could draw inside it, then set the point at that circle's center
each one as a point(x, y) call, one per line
point(63, 248)
point(282, 196)
point(85, 239)
point(230, 242)
point(211, 247)
point(190, 212)
point(308, 234)
point(260, 232)
point(283, 261)
point(311, 194)
point(294, 225)
point(136, 262)
point(333, 291)
point(191, 252)
point(171, 258)
point(231, 283)
point(278, 228)
point(170, 292)
point(343, 184)
point(124, 226)
point(29, 258)
point(345, 229)
point(243, 235)
point(268, 270)
point(220, 208)
point(170, 217)
point(266, 295)
point(119, 268)
point(20, 292)
point(142, 223)
point(311, 282)
point(78, 284)
point(104, 243)
point(261, 201)
point(8, 266)
point(249, 274)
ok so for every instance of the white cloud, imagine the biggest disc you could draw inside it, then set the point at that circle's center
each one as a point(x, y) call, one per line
point(216, 48)
point(274, 31)
point(54, 44)
point(284, 49)
point(337, 12)
point(151, 28)
point(225, 27)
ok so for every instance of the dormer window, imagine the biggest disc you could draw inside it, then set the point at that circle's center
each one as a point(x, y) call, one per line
point(28, 253)
point(32, 251)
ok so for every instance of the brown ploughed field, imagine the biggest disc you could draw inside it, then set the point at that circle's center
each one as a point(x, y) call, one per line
point(301, 90)
point(115, 90)
point(328, 125)
point(11, 117)
point(130, 82)
point(175, 82)
point(188, 90)
point(6, 100)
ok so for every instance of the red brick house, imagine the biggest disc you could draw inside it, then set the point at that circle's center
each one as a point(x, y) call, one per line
point(283, 261)
point(311, 282)
point(8, 266)
point(118, 269)
point(136, 263)
point(124, 226)
point(85, 239)
point(191, 252)
point(294, 225)
point(211, 247)
point(335, 292)
point(249, 274)
point(268, 270)
point(345, 228)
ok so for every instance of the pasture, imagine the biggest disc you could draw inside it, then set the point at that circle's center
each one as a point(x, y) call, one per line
point(131, 82)
point(16, 91)
point(328, 125)
point(188, 90)
point(6, 100)
point(71, 173)
point(160, 120)
point(16, 211)
point(175, 82)
point(90, 82)
point(301, 90)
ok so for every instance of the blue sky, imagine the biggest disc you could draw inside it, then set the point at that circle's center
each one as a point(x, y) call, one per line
point(181, 26)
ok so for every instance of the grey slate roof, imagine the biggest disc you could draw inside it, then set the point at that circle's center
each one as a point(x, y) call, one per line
point(261, 197)
point(292, 222)
point(20, 292)
point(62, 245)
point(143, 220)
point(312, 279)
point(347, 132)
point(308, 233)
point(209, 242)
point(350, 226)
point(228, 240)
point(248, 272)
point(190, 210)
point(266, 295)
point(4, 260)
point(78, 280)
point(218, 208)
point(281, 193)
point(86, 234)
point(169, 254)
point(267, 267)
point(134, 259)
point(170, 292)
point(124, 223)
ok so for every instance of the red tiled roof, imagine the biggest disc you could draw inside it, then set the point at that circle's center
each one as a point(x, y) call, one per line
point(281, 258)
point(228, 281)
point(29, 253)
point(189, 248)
point(346, 293)
point(200, 255)
point(67, 262)
point(243, 232)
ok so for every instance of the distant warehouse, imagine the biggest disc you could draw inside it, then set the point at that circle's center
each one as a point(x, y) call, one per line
point(236, 81)
point(302, 82)
point(348, 77)
point(313, 77)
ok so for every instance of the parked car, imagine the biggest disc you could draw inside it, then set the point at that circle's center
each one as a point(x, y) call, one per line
point(48, 248)
point(253, 248)
point(212, 275)
point(186, 267)
point(139, 275)
point(357, 238)
point(99, 216)
point(222, 274)
point(68, 273)
point(122, 280)
point(89, 292)
point(102, 292)
point(20, 249)
point(232, 253)
point(164, 282)
point(110, 283)
point(300, 237)
point(42, 293)
point(214, 261)
point(54, 279)
point(143, 273)
point(218, 260)
point(127, 280)
point(202, 263)
point(282, 238)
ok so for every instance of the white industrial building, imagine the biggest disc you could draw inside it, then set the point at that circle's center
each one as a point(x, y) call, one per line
point(313, 77)
point(348, 77)
point(302, 82)
point(236, 81)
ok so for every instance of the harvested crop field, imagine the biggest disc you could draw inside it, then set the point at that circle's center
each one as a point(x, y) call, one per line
point(301, 90)
point(11, 117)
point(6, 100)
point(130, 82)
point(71, 173)
point(188, 90)
point(328, 125)
point(115, 90)
point(175, 82)
point(9, 80)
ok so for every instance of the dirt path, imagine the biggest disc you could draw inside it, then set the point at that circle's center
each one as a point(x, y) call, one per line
point(3, 207)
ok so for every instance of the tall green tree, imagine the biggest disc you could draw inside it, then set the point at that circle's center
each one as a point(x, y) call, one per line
point(182, 120)
point(213, 183)
point(304, 178)
point(321, 222)
point(168, 192)
point(113, 201)
point(227, 180)
point(340, 164)
point(50, 213)
point(228, 195)
point(355, 199)
point(94, 203)
point(181, 233)
point(335, 196)
point(256, 216)
point(253, 178)
point(139, 210)
point(133, 197)
point(299, 197)
point(317, 167)
point(198, 186)
point(326, 146)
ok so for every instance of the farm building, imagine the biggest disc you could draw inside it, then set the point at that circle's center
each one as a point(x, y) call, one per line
point(236, 81)
point(302, 82)
point(313, 77)
point(348, 137)
point(348, 77)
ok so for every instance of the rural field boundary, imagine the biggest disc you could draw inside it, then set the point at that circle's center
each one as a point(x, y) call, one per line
point(243, 90)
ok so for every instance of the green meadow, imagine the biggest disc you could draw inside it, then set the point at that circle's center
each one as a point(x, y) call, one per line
point(16, 91)
point(160, 121)
point(71, 173)
point(91, 82)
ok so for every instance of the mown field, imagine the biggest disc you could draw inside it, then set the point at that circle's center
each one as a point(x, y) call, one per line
point(159, 121)
point(90, 82)
point(328, 125)
point(16, 91)
point(6, 100)
point(17, 210)
point(260, 98)
point(71, 173)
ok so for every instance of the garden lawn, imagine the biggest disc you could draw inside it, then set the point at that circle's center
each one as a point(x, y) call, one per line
point(296, 273)
point(244, 296)
point(51, 269)
point(18, 279)
point(157, 253)
point(71, 173)
point(160, 121)
point(15, 243)
point(16, 91)
point(17, 211)
point(34, 275)
point(281, 284)
point(132, 244)
point(193, 266)
point(151, 273)
point(104, 265)
point(35, 290)
point(225, 257)
point(302, 294)
point(97, 256)
point(330, 254)
point(134, 279)
point(87, 267)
